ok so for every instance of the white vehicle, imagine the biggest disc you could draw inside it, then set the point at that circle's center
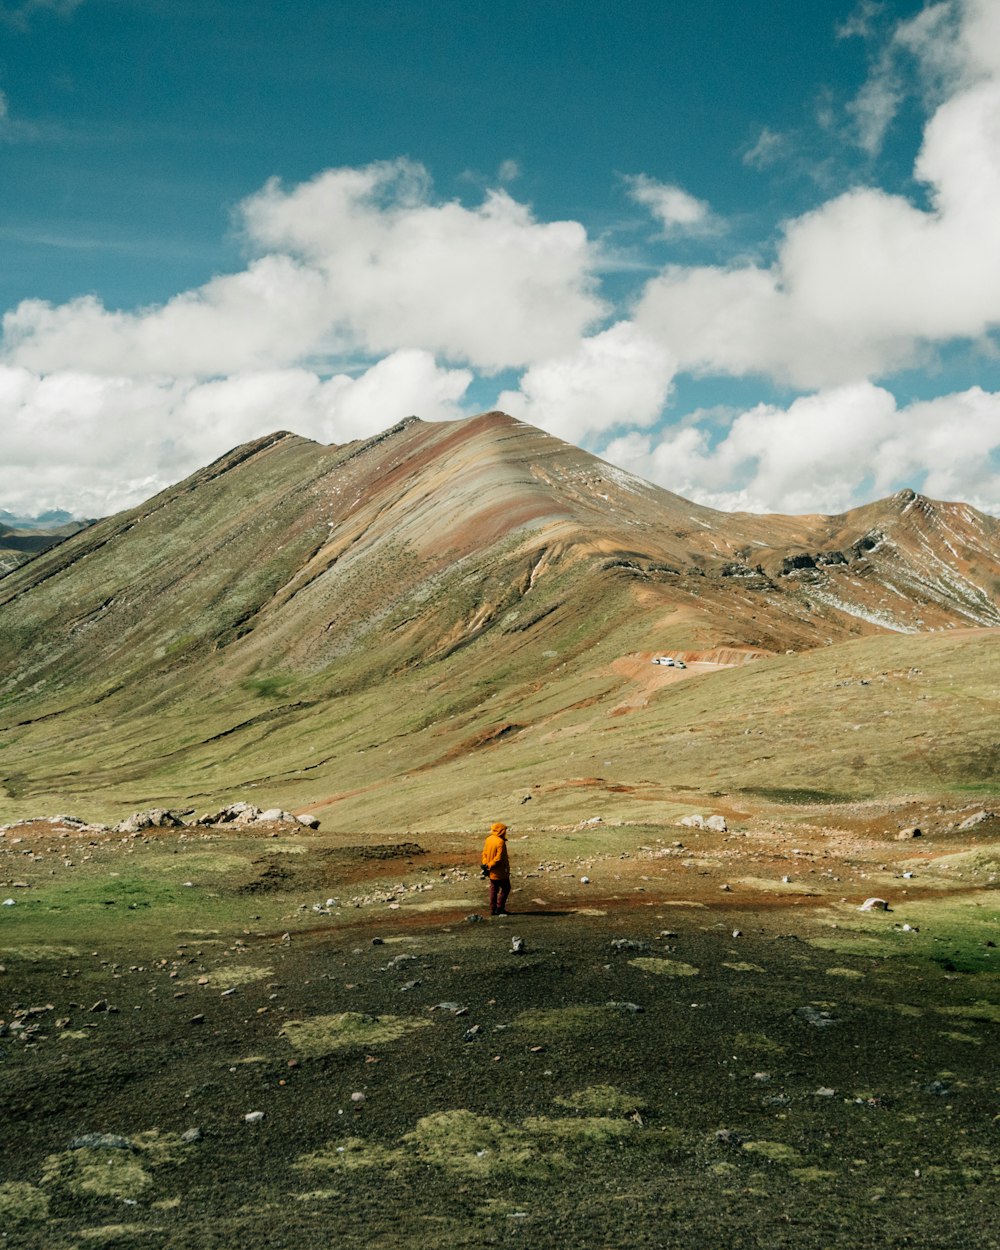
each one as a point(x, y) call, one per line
point(679, 664)
point(666, 660)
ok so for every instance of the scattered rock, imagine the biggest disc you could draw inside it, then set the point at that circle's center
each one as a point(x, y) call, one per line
point(358, 1098)
point(585, 881)
point(824, 1091)
point(632, 1009)
point(277, 816)
point(101, 1005)
point(473, 1033)
point(254, 1117)
point(695, 821)
point(474, 918)
point(153, 818)
point(874, 904)
point(717, 824)
point(517, 945)
point(190, 1136)
point(307, 819)
point(905, 835)
point(977, 818)
point(939, 1088)
point(818, 1018)
point(729, 1137)
point(628, 944)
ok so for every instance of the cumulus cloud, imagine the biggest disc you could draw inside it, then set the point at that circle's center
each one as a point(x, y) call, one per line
point(620, 376)
point(107, 442)
point(677, 211)
point(864, 283)
point(353, 261)
point(807, 457)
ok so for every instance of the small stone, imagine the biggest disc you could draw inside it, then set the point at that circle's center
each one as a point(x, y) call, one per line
point(101, 1005)
point(199, 1019)
point(726, 889)
point(517, 945)
point(824, 1091)
point(874, 904)
point(358, 1098)
point(585, 881)
point(737, 933)
point(378, 941)
point(813, 1015)
point(905, 835)
point(631, 1009)
point(254, 1117)
point(728, 1137)
point(190, 1136)
point(474, 1032)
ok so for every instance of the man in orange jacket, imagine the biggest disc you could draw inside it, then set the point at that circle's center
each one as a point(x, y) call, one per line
point(497, 867)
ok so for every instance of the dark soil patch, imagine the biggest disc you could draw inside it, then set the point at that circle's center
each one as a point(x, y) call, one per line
point(900, 1153)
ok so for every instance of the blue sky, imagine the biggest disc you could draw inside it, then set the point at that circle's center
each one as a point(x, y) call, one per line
point(747, 251)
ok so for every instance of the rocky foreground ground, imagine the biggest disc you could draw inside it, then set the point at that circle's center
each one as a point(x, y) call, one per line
point(262, 1034)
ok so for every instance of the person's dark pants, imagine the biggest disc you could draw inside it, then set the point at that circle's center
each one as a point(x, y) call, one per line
point(499, 890)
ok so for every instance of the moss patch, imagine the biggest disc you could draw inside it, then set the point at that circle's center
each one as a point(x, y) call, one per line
point(322, 1035)
point(773, 1151)
point(562, 1023)
point(979, 1010)
point(664, 967)
point(21, 1203)
point(466, 1144)
point(744, 967)
point(353, 1154)
point(849, 973)
point(101, 1173)
point(236, 975)
point(113, 1173)
point(601, 1100)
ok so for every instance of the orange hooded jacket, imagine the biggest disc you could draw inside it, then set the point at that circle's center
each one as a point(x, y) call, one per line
point(495, 853)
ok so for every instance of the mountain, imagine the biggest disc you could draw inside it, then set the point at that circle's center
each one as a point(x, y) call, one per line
point(23, 537)
point(335, 624)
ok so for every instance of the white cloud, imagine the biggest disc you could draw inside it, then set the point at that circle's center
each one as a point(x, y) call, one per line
point(677, 211)
point(489, 286)
point(812, 456)
point(863, 283)
point(102, 443)
point(767, 149)
point(620, 376)
point(354, 261)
